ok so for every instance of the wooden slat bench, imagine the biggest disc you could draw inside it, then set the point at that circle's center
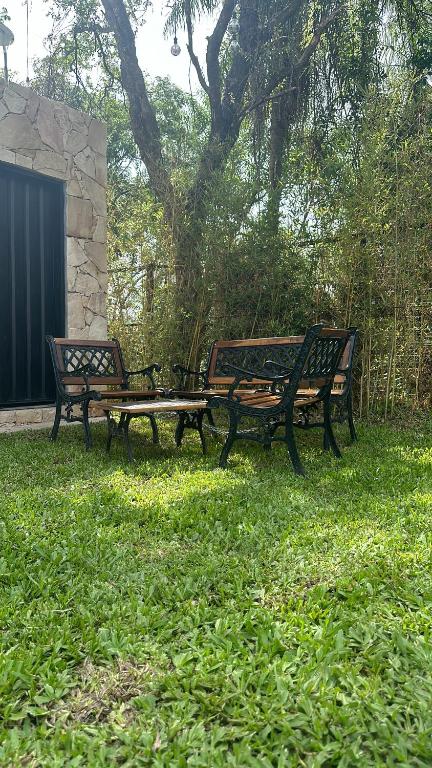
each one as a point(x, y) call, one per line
point(253, 354)
point(190, 414)
point(93, 363)
point(311, 365)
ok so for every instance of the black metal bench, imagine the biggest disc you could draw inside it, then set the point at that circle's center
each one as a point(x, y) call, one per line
point(94, 363)
point(312, 365)
point(252, 354)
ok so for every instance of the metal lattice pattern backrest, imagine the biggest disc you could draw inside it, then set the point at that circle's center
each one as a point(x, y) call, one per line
point(251, 355)
point(101, 360)
point(318, 358)
point(254, 358)
point(323, 358)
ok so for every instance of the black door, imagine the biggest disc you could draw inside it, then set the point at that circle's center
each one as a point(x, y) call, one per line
point(32, 283)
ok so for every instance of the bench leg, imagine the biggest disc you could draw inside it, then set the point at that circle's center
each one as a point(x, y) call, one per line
point(328, 430)
point(155, 431)
point(292, 447)
point(232, 431)
point(57, 418)
point(86, 425)
point(210, 418)
point(353, 433)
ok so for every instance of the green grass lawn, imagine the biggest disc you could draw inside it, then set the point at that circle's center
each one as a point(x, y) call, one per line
point(168, 613)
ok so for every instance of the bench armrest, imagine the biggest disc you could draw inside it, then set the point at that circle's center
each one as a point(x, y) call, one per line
point(182, 373)
point(148, 371)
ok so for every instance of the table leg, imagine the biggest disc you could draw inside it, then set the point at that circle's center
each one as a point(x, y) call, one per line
point(125, 431)
point(155, 431)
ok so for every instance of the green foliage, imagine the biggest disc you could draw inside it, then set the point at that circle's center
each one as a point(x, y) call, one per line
point(369, 198)
point(168, 614)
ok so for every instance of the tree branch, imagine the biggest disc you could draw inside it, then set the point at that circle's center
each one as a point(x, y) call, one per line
point(192, 54)
point(143, 118)
point(318, 33)
point(213, 68)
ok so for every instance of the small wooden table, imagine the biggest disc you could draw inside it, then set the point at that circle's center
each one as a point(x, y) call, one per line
point(190, 416)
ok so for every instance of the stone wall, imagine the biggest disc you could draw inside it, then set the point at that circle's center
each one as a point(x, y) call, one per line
point(55, 140)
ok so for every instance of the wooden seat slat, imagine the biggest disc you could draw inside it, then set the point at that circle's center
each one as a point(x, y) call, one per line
point(154, 406)
point(257, 400)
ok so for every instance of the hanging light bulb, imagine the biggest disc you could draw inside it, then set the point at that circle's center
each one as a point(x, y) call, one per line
point(175, 49)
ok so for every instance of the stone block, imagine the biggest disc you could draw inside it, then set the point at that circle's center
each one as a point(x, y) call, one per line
point(45, 160)
point(17, 132)
point(21, 89)
point(75, 312)
point(28, 416)
point(100, 232)
point(85, 161)
point(62, 119)
point(86, 284)
point(48, 414)
point(7, 416)
point(49, 130)
point(96, 193)
point(78, 333)
point(33, 104)
point(79, 120)
point(74, 188)
point(6, 155)
point(23, 160)
point(75, 141)
point(14, 101)
point(96, 252)
point(79, 217)
point(71, 278)
point(97, 136)
point(98, 328)
point(96, 304)
point(101, 170)
point(75, 254)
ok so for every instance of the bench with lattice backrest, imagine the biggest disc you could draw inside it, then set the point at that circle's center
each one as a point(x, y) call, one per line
point(251, 354)
point(266, 355)
point(310, 364)
point(84, 364)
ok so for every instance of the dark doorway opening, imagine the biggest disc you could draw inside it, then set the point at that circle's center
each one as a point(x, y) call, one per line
point(32, 283)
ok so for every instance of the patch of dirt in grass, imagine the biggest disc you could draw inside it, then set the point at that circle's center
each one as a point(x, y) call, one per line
point(104, 693)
